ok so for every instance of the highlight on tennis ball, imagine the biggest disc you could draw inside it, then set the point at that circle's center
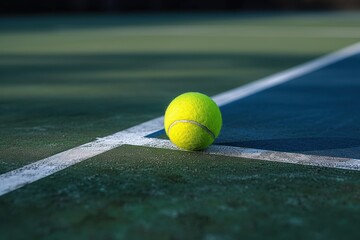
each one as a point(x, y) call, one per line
point(192, 121)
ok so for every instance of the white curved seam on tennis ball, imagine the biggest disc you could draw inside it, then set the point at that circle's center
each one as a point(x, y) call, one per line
point(192, 122)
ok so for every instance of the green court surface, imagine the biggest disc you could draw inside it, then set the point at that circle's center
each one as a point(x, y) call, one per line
point(136, 193)
point(67, 80)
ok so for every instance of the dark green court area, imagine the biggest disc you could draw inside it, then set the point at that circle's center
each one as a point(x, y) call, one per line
point(136, 193)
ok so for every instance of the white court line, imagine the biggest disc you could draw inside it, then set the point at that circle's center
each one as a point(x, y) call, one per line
point(250, 153)
point(135, 135)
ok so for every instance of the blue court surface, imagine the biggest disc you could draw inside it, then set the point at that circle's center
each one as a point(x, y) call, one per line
point(314, 114)
point(317, 114)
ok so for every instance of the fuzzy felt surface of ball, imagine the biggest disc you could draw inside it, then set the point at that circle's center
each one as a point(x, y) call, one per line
point(192, 121)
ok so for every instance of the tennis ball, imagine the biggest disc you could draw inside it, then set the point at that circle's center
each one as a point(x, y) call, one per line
point(192, 121)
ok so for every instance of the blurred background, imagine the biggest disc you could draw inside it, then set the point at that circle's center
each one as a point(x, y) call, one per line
point(71, 6)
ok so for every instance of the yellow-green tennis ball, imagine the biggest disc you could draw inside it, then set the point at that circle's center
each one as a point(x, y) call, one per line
point(192, 121)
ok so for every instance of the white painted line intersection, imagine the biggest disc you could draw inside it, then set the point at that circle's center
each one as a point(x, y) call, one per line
point(136, 135)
